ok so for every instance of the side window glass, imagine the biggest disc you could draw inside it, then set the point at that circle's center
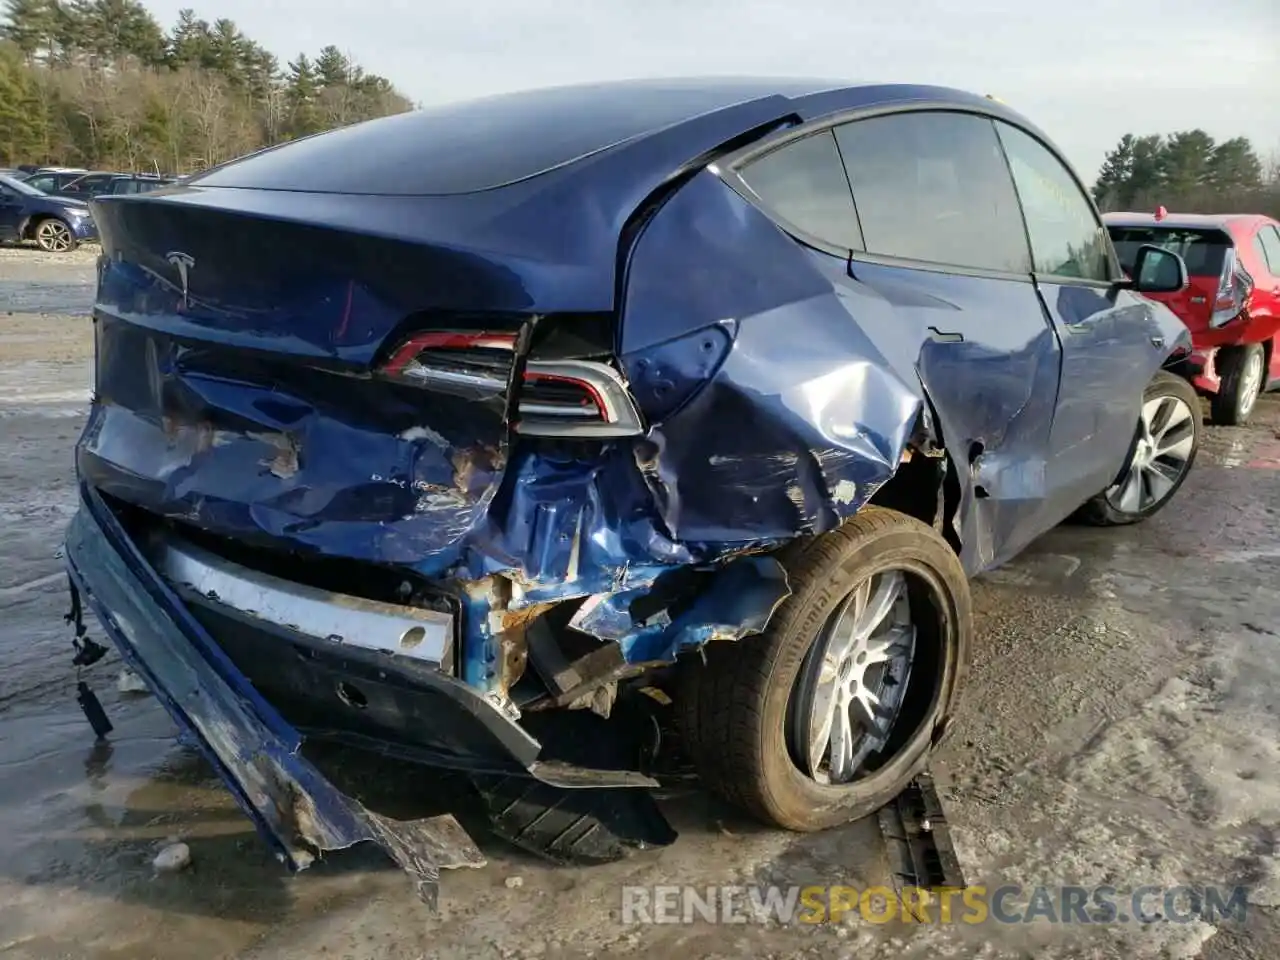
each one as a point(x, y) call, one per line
point(41, 183)
point(934, 187)
point(804, 184)
point(1260, 250)
point(1269, 237)
point(1066, 238)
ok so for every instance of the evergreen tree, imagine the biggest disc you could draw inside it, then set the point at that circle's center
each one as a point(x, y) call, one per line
point(1188, 161)
point(1234, 166)
point(189, 41)
point(19, 116)
point(332, 68)
point(32, 27)
point(1147, 174)
point(1116, 171)
point(226, 52)
point(302, 89)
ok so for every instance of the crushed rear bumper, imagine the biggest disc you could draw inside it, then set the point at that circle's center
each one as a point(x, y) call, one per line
point(254, 750)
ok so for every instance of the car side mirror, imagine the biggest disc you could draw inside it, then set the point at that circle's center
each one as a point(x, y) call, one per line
point(1157, 270)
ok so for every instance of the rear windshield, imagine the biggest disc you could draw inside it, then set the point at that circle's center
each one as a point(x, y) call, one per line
point(477, 145)
point(1204, 251)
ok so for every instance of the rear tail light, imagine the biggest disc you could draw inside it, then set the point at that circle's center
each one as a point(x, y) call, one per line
point(1234, 289)
point(474, 365)
point(575, 398)
point(557, 398)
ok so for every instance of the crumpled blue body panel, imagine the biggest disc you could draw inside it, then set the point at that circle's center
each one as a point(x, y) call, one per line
point(779, 384)
point(325, 462)
point(304, 453)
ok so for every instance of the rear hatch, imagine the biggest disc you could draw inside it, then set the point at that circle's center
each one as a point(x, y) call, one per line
point(1217, 284)
point(310, 387)
point(340, 344)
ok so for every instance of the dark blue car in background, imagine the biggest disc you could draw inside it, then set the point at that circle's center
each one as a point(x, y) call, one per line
point(56, 224)
point(465, 436)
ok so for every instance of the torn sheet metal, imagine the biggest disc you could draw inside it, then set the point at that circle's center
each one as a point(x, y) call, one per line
point(737, 601)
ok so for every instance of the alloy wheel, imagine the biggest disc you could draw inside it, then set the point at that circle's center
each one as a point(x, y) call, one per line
point(53, 236)
point(1250, 382)
point(854, 679)
point(1161, 455)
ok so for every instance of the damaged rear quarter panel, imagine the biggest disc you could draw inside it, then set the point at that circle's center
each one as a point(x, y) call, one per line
point(802, 421)
point(772, 416)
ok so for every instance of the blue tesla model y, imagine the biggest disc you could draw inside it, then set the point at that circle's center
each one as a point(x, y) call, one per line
point(543, 437)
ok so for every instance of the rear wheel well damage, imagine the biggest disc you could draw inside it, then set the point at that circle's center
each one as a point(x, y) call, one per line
point(926, 484)
point(580, 651)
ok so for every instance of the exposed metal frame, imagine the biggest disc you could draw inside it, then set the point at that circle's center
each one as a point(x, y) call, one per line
point(425, 636)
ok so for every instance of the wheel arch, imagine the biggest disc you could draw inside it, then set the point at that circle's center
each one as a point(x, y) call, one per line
point(926, 484)
point(28, 230)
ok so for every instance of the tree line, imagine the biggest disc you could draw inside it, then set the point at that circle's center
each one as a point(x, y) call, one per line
point(1188, 172)
point(101, 84)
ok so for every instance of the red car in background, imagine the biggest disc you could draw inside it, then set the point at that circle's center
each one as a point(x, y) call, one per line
point(1232, 304)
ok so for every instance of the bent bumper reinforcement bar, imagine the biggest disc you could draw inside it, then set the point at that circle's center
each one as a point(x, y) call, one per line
point(252, 748)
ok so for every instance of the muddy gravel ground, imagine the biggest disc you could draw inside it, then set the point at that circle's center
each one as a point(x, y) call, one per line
point(1120, 727)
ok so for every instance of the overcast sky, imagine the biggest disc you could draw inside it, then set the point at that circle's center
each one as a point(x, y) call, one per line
point(1086, 71)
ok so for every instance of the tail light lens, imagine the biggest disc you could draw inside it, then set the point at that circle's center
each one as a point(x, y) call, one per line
point(575, 398)
point(474, 365)
point(557, 398)
point(1234, 290)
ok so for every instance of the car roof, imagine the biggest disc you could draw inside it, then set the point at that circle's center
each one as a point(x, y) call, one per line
point(496, 141)
point(1230, 222)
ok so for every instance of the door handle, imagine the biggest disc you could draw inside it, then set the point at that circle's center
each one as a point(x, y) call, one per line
point(944, 337)
point(1157, 341)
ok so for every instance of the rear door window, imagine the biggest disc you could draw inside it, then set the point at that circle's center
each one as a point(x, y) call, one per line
point(803, 184)
point(1203, 250)
point(1269, 238)
point(1067, 238)
point(934, 187)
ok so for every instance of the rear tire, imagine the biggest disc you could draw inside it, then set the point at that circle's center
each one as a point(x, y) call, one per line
point(1242, 372)
point(1162, 455)
point(738, 708)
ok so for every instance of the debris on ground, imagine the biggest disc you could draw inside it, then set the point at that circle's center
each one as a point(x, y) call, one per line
point(130, 682)
point(175, 857)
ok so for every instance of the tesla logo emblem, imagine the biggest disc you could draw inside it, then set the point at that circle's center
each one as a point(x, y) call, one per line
point(184, 262)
